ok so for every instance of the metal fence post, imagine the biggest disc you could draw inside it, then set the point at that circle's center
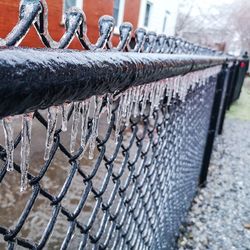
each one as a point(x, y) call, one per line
point(243, 67)
point(213, 124)
point(225, 98)
point(233, 83)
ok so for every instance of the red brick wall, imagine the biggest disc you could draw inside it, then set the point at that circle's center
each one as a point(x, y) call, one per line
point(8, 15)
point(131, 12)
point(93, 9)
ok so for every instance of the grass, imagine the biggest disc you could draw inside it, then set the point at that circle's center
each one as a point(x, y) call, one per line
point(241, 108)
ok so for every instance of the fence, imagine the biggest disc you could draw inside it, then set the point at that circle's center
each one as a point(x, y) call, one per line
point(128, 136)
point(238, 75)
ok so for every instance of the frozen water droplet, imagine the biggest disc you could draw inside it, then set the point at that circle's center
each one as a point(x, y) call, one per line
point(65, 111)
point(9, 142)
point(25, 148)
point(95, 122)
point(75, 125)
point(52, 120)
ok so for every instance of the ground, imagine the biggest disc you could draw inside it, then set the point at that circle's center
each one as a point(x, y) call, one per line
point(219, 218)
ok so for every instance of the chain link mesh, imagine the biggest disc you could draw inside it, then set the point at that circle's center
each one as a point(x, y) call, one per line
point(136, 190)
point(134, 193)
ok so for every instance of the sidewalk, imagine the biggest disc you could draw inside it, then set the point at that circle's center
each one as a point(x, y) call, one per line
point(220, 215)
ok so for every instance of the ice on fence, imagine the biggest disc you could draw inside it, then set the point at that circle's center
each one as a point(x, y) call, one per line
point(25, 148)
point(9, 142)
point(75, 125)
point(136, 101)
point(95, 122)
point(84, 127)
point(65, 112)
point(52, 121)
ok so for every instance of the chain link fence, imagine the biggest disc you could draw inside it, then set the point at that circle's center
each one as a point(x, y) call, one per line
point(127, 135)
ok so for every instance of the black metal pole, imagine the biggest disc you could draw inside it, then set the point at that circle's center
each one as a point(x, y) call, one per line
point(212, 126)
point(233, 83)
point(243, 67)
point(228, 81)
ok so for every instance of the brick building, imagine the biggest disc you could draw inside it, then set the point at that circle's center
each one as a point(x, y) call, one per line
point(156, 15)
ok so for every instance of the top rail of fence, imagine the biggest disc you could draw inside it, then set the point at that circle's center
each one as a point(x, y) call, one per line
point(38, 79)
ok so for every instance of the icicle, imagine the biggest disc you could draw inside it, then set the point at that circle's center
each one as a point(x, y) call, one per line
point(85, 119)
point(176, 86)
point(157, 95)
point(75, 125)
point(184, 90)
point(170, 90)
point(162, 89)
point(109, 107)
point(52, 120)
point(95, 122)
point(129, 107)
point(118, 121)
point(9, 142)
point(144, 98)
point(152, 100)
point(65, 111)
point(155, 101)
point(136, 100)
point(180, 90)
point(183, 87)
point(124, 106)
point(25, 148)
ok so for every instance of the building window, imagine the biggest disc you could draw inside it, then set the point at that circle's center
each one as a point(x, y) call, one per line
point(147, 14)
point(164, 27)
point(118, 11)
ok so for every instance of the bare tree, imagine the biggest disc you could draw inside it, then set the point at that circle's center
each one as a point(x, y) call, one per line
point(241, 23)
point(224, 26)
